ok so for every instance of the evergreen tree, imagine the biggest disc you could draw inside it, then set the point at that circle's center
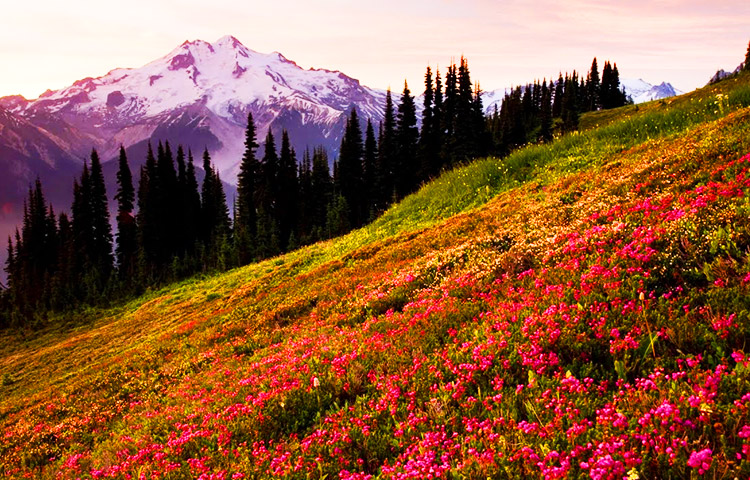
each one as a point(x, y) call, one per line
point(369, 170)
point(746, 65)
point(266, 195)
point(437, 126)
point(305, 203)
point(337, 217)
point(465, 145)
point(407, 136)
point(147, 219)
point(479, 122)
point(101, 234)
point(619, 95)
point(34, 261)
point(426, 135)
point(387, 152)
point(191, 206)
point(10, 270)
point(82, 221)
point(594, 87)
point(63, 291)
point(570, 103)
point(557, 99)
point(288, 188)
point(247, 179)
point(545, 115)
point(85, 269)
point(181, 238)
point(215, 214)
point(321, 185)
point(167, 204)
point(448, 116)
point(213, 202)
point(127, 231)
point(350, 178)
point(608, 87)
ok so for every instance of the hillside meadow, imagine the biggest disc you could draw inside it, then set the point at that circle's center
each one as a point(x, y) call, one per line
point(577, 310)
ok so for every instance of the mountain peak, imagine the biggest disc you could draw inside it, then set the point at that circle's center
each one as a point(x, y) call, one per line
point(229, 40)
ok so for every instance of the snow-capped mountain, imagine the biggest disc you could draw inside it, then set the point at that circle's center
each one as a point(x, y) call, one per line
point(641, 91)
point(200, 94)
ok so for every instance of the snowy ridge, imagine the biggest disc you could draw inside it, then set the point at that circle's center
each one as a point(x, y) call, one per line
point(210, 87)
point(224, 76)
point(641, 91)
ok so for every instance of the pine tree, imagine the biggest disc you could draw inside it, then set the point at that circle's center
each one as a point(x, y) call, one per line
point(465, 136)
point(746, 65)
point(407, 136)
point(570, 103)
point(266, 193)
point(216, 223)
point(63, 291)
point(167, 204)
point(350, 181)
point(448, 117)
point(619, 96)
point(545, 114)
point(427, 134)
point(322, 190)
point(181, 243)
point(337, 217)
point(558, 97)
point(247, 179)
point(101, 228)
point(481, 134)
point(10, 270)
point(369, 170)
point(34, 261)
point(594, 87)
point(288, 188)
point(191, 206)
point(437, 122)
point(266, 196)
point(607, 87)
point(387, 152)
point(127, 230)
point(147, 220)
point(85, 268)
point(305, 202)
point(215, 211)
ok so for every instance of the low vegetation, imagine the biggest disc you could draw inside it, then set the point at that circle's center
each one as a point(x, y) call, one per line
point(579, 309)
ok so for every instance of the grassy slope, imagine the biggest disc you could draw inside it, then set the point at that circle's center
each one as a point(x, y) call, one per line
point(404, 326)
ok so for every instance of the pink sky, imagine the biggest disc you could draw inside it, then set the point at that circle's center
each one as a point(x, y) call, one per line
point(50, 44)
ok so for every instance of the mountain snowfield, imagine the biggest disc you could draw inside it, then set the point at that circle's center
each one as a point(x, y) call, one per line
point(641, 91)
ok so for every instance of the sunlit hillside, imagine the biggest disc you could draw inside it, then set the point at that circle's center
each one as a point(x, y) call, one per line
point(578, 309)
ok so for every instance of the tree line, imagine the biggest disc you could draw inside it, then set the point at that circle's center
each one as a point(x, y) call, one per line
point(536, 112)
point(169, 227)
